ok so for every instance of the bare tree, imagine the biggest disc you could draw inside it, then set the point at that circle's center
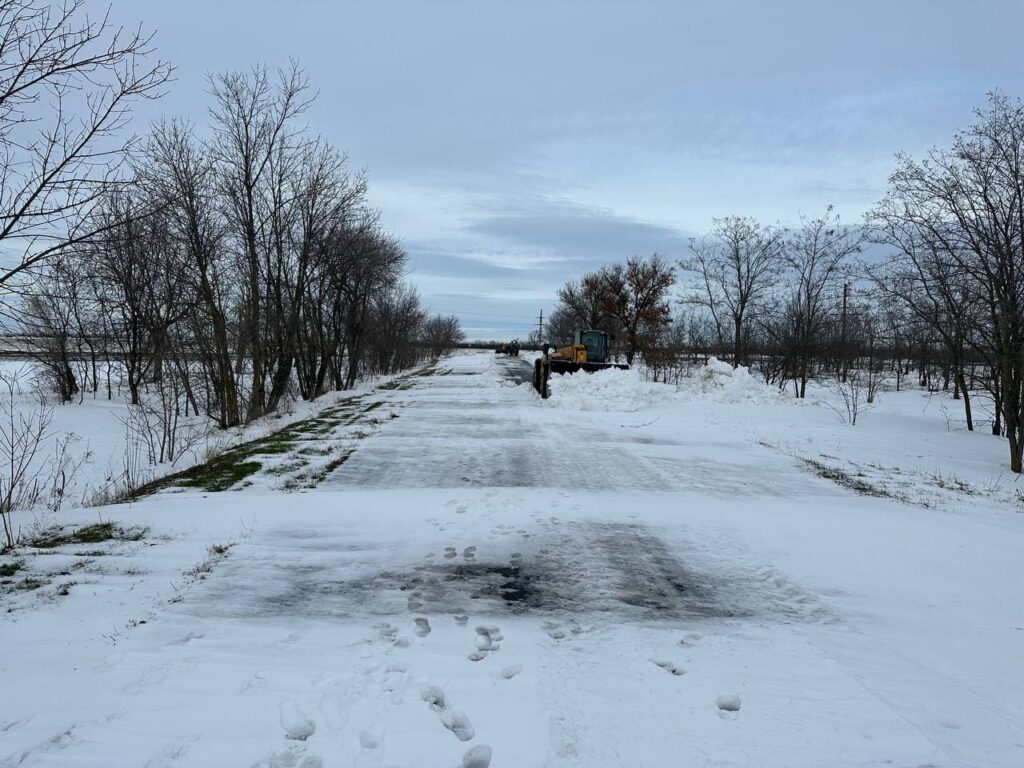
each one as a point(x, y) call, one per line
point(817, 260)
point(560, 326)
point(966, 204)
point(322, 199)
point(441, 334)
point(67, 84)
point(397, 318)
point(926, 279)
point(254, 121)
point(22, 435)
point(736, 267)
point(180, 178)
point(586, 302)
point(853, 391)
point(48, 321)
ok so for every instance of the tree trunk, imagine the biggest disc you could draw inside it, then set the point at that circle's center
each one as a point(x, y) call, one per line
point(961, 386)
point(737, 341)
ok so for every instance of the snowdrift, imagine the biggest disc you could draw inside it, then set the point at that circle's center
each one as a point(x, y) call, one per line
point(617, 390)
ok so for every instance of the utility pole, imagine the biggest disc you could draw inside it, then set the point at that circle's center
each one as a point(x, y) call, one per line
point(842, 333)
point(540, 328)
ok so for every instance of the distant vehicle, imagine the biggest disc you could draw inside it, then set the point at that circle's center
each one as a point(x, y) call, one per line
point(511, 348)
point(589, 352)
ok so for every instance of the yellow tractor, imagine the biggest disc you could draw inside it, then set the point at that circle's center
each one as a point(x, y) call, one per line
point(589, 352)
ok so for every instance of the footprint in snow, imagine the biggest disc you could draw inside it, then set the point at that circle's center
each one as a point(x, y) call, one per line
point(690, 639)
point(488, 637)
point(394, 679)
point(477, 757)
point(486, 640)
point(469, 553)
point(461, 619)
point(554, 630)
point(370, 738)
point(669, 666)
point(296, 725)
point(455, 720)
point(729, 706)
point(370, 755)
point(422, 626)
point(449, 552)
point(434, 696)
point(511, 671)
point(388, 633)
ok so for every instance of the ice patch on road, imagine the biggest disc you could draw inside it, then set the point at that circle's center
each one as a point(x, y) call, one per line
point(622, 571)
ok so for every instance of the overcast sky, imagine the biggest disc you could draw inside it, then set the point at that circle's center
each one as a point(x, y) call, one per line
point(514, 145)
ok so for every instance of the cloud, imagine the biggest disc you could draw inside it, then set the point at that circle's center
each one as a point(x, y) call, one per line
point(503, 265)
point(427, 258)
point(573, 233)
point(514, 146)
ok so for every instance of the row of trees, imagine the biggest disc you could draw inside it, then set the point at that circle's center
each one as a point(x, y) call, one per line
point(240, 266)
point(945, 302)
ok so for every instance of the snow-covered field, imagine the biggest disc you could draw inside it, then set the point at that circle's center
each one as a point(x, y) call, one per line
point(99, 443)
point(624, 575)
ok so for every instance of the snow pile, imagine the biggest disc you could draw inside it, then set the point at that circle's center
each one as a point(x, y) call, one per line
point(618, 390)
point(720, 382)
point(609, 390)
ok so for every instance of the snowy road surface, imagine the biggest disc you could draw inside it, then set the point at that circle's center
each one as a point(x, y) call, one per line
point(490, 579)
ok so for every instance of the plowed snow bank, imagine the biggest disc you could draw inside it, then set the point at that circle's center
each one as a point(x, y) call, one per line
point(617, 390)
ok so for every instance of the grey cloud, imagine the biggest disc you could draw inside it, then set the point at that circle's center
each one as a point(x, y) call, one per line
point(573, 233)
point(561, 135)
point(427, 259)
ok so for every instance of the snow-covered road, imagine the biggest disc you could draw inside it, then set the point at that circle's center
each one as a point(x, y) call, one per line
point(490, 579)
